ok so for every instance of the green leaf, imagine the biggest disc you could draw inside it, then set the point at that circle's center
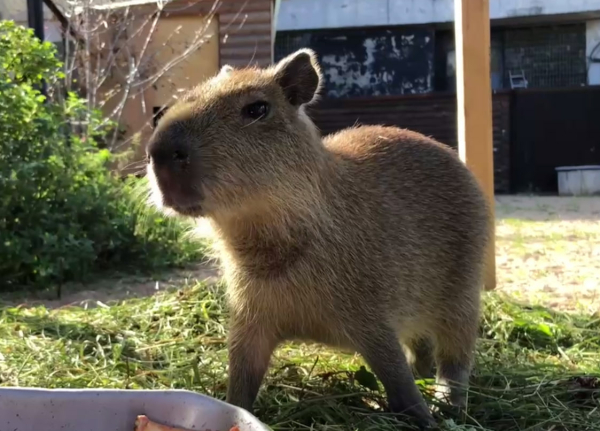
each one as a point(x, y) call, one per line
point(545, 329)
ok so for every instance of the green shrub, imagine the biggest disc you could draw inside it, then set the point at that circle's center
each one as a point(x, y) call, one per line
point(63, 214)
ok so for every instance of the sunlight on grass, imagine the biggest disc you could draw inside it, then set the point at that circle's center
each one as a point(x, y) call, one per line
point(536, 369)
point(548, 251)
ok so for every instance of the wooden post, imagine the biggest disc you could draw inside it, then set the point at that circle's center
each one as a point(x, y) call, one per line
point(474, 94)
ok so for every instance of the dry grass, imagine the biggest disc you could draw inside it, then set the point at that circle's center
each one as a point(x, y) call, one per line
point(548, 251)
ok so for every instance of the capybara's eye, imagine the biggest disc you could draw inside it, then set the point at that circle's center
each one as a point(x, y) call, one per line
point(256, 111)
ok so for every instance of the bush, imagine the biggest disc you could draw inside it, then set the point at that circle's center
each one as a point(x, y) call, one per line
point(63, 214)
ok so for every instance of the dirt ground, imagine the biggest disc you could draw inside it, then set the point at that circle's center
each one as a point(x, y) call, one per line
point(547, 252)
point(118, 288)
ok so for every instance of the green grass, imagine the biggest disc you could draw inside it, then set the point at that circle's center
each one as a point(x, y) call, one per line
point(536, 369)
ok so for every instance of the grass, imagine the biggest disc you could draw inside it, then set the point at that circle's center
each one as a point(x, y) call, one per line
point(536, 369)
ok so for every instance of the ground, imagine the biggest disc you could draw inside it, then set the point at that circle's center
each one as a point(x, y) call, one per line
point(547, 252)
point(538, 360)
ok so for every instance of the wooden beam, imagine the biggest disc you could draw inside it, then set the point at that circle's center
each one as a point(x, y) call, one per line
point(474, 94)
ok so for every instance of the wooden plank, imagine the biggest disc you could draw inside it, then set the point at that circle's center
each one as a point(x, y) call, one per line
point(263, 38)
point(257, 15)
point(474, 97)
point(202, 7)
point(256, 50)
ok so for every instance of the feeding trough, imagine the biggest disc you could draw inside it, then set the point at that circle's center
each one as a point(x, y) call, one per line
point(29, 409)
point(578, 180)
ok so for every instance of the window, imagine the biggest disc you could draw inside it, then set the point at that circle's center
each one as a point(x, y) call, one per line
point(550, 56)
point(496, 66)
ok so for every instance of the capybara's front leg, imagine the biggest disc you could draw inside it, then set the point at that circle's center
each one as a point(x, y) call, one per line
point(250, 349)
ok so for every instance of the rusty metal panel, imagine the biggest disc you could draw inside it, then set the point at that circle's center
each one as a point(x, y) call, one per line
point(433, 115)
point(245, 32)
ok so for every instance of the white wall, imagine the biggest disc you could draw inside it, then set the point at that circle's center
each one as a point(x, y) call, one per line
point(593, 44)
point(310, 14)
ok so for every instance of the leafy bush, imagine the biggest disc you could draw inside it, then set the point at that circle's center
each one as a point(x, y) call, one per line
point(63, 214)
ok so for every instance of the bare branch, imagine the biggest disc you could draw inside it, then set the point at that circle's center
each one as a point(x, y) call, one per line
point(109, 59)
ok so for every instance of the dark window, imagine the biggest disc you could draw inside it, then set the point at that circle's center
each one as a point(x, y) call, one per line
point(360, 62)
point(287, 42)
point(549, 56)
point(446, 61)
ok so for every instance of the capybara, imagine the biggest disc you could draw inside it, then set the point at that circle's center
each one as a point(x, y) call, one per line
point(371, 239)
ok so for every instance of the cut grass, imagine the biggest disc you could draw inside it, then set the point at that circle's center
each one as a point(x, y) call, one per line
point(536, 369)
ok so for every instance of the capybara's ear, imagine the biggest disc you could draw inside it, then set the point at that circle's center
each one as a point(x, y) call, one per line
point(299, 75)
point(225, 71)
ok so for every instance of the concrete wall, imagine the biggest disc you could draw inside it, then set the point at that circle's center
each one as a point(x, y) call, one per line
point(593, 51)
point(311, 14)
point(16, 10)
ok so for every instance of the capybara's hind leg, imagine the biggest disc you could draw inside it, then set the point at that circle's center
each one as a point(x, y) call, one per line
point(420, 356)
point(455, 343)
point(382, 351)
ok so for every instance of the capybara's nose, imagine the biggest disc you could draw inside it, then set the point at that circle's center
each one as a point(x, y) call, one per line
point(168, 154)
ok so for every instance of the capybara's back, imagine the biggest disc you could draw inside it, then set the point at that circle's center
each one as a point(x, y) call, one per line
point(372, 239)
point(420, 221)
point(421, 213)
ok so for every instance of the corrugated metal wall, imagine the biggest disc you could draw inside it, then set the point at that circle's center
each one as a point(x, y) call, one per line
point(245, 28)
point(432, 114)
point(245, 32)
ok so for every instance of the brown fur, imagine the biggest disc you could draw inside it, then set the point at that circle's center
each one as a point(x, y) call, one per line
point(360, 240)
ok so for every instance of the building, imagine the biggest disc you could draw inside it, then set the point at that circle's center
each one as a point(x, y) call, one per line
point(235, 32)
point(393, 61)
point(238, 33)
point(561, 34)
point(16, 10)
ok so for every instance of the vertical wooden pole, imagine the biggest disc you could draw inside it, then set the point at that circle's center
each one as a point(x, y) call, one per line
point(474, 94)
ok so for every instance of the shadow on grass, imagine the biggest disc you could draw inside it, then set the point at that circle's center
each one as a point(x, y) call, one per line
point(54, 327)
point(113, 287)
point(504, 399)
point(536, 369)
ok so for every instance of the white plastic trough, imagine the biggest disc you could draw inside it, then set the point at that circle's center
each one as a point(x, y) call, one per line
point(32, 409)
point(578, 180)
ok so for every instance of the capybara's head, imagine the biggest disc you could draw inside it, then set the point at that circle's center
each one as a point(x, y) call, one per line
point(237, 138)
